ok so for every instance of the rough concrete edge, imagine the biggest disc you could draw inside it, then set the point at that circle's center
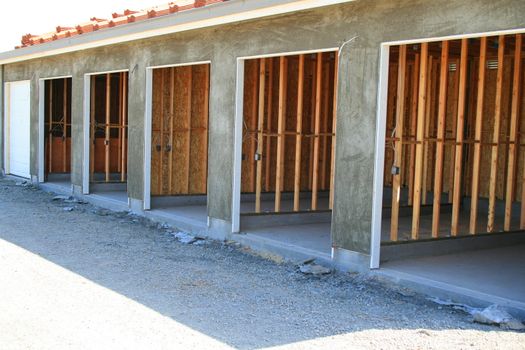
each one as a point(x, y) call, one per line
point(451, 292)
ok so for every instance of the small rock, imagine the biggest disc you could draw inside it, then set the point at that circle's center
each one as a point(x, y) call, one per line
point(68, 209)
point(184, 238)
point(23, 183)
point(314, 269)
point(494, 315)
point(61, 198)
point(101, 212)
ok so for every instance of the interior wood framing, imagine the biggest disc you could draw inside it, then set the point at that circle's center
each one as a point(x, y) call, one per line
point(57, 126)
point(179, 152)
point(455, 148)
point(109, 127)
point(289, 130)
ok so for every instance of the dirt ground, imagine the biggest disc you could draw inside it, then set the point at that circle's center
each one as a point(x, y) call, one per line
point(79, 277)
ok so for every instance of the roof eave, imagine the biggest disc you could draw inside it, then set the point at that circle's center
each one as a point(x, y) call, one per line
point(212, 15)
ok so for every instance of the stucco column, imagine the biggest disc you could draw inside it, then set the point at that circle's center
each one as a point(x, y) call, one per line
point(356, 125)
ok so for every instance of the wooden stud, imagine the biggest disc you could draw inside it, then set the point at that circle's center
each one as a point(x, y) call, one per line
point(413, 127)
point(317, 125)
point(269, 112)
point(124, 126)
point(398, 148)
point(92, 126)
point(477, 136)
point(64, 131)
point(324, 118)
point(119, 131)
point(188, 123)
point(298, 137)
point(280, 133)
point(334, 123)
point(440, 147)
point(260, 124)
point(428, 115)
point(419, 139)
point(206, 112)
point(172, 121)
point(253, 125)
point(312, 122)
point(513, 135)
point(495, 135)
point(458, 163)
point(453, 135)
point(161, 137)
point(107, 129)
point(51, 126)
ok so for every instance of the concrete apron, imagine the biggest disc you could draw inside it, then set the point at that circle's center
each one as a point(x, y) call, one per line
point(338, 259)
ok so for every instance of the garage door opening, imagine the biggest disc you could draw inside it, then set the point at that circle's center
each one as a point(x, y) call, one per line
point(288, 143)
point(453, 186)
point(109, 133)
point(17, 128)
point(179, 140)
point(453, 154)
point(57, 130)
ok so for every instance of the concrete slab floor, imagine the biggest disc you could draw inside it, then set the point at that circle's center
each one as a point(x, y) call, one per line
point(193, 212)
point(311, 236)
point(497, 275)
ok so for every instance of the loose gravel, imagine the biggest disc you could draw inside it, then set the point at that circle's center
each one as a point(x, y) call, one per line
point(76, 276)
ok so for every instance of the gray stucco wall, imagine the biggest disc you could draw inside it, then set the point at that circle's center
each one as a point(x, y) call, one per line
point(370, 21)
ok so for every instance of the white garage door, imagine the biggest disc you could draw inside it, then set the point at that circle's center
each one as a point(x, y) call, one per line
point(18, 128)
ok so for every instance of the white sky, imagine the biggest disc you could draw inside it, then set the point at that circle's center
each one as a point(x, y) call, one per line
point(42, 16)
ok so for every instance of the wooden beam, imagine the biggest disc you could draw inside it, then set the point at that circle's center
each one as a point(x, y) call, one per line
point(124, 153)
point(64, 131)
point(298, 137)
point(513, 135)
point(477, 136)
point(416, 210)
point(398, 147)
point(312, 121)
point(458, 163)
point(334, 124)
point(107, 129)
point(440, 144)
point(413, 127)
point(253, 125)
point(495, 135)
point(280, 133)
point(260, 140)
point(317, 125)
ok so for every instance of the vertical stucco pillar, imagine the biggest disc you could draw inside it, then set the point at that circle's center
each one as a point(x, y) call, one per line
point(33, 133)
point(221, 143)
point(136, 106)
point(354, 173)
point(77, 130)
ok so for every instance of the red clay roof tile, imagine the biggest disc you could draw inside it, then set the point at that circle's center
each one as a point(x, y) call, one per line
point(129, 16)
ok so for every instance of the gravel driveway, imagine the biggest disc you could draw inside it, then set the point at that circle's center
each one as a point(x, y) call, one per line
point(86, 278)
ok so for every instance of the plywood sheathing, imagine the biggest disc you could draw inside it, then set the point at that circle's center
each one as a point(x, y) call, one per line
point(179, 152)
